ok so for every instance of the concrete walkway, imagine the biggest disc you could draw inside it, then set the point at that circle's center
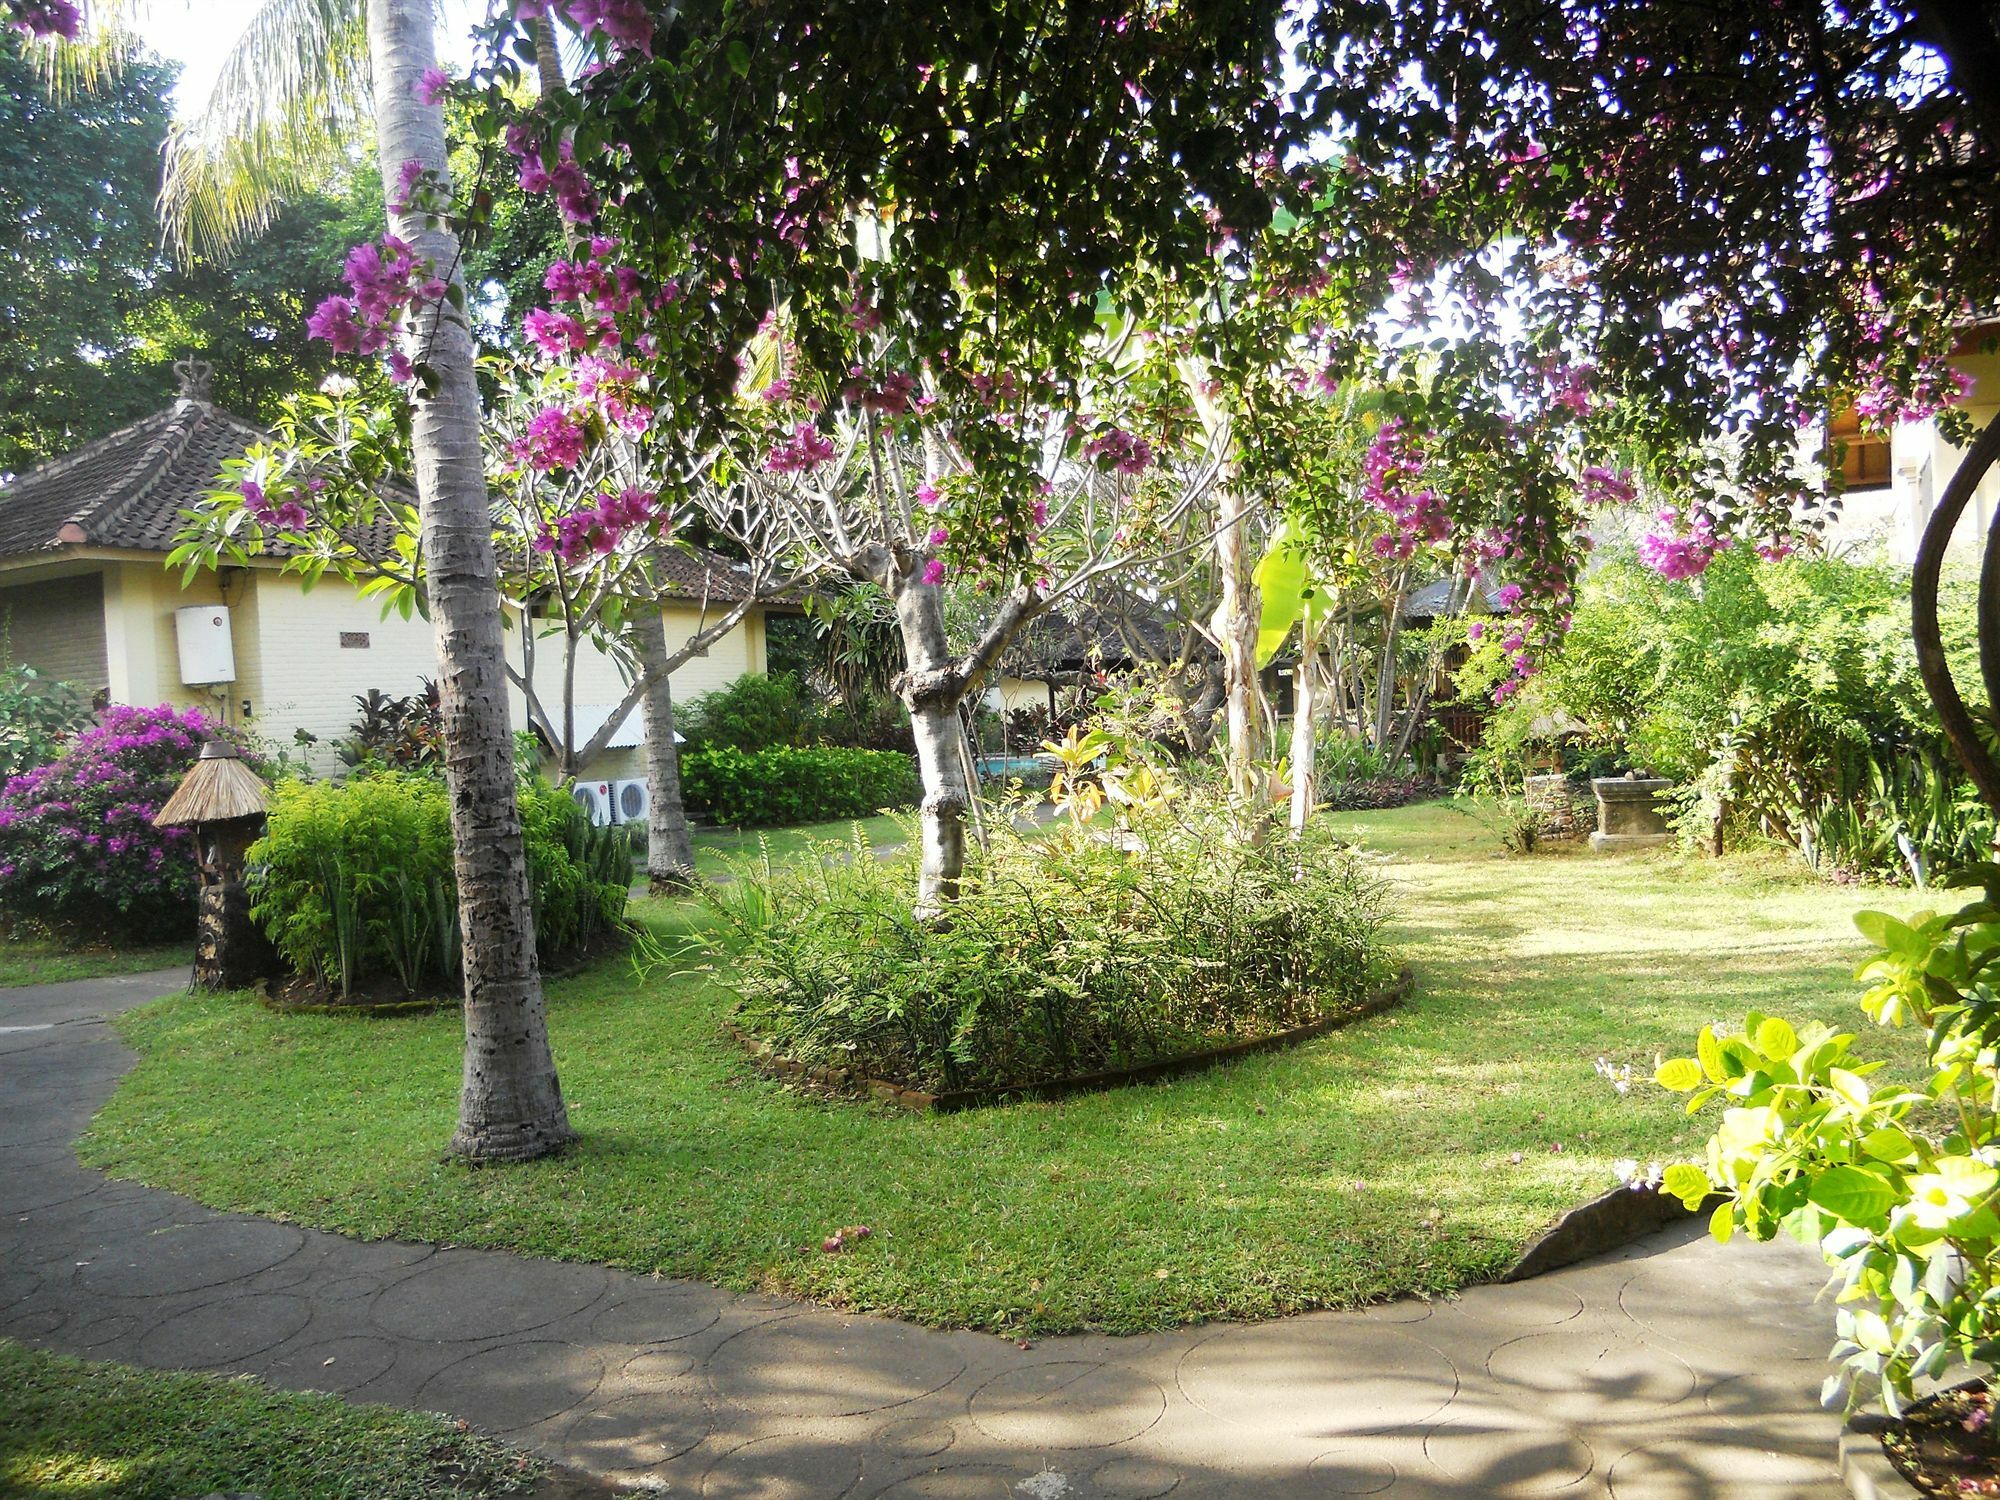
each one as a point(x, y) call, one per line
point(1677, 1369)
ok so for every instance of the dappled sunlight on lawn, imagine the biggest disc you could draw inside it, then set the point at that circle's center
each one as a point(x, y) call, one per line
point(1415, 1151)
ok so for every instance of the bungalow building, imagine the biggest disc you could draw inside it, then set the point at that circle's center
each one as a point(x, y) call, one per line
point(85, 597)
point(1894, 480)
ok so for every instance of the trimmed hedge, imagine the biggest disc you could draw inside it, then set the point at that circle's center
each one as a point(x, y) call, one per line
point(784, 784)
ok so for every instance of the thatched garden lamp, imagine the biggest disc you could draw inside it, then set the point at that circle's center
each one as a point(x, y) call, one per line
point(224, 801)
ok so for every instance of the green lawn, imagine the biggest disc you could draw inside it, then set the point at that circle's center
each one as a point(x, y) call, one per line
point(72, 1428)
point(1414, 1152)
point(25, 960)
point(714, 848)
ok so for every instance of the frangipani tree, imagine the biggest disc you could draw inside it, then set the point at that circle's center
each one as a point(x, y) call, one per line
point(1023, 487)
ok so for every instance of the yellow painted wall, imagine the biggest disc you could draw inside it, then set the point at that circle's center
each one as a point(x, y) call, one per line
point(294, 672)
point(56, 626)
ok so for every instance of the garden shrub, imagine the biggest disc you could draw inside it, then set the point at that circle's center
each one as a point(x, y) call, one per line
point(78, 850)
point(38, 717)
point(755, 712)
point(1783, 696)
point(783, 785)
point(353, 881)
point(1069, 953)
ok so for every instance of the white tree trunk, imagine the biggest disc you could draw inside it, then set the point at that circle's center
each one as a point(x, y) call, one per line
point(1240, 615)
point(510, 1105)
point(931, 688)
point(669, 846)
point(1305, 739)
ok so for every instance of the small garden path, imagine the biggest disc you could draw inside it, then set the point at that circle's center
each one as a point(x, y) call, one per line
point(1675, 1369)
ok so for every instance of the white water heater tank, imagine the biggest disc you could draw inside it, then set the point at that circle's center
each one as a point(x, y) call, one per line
point(207, 653)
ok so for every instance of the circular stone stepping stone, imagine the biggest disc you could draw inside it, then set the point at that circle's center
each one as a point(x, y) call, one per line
point(1318, 1377)
point(514, 1385)
point(1067, 1404)
point(1591, 1375)
point(1349, 1471)
point(1771, 1321)
point(658, 1317)
point(1134, 1479)
point(189, 1257)
point(1701, 1470)
point(1498, 1451)
point(223, 1332)
point(783, 1468)
point(634, 1434)
point(818, 1367)
point(979, 1482)
point(658, 1366)
point(335, 1366)
point(915, 1438)
point(484, 1296)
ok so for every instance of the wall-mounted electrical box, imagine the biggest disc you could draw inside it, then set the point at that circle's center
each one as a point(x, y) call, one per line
point(207, 653)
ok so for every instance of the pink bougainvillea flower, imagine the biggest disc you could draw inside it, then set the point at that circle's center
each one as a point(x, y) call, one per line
point(432, 87)
point(934, 572)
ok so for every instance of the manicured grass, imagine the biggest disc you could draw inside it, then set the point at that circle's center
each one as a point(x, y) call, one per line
point(1414, 1152)
point(715, 847)
point(26, 960)
point(71, 1427)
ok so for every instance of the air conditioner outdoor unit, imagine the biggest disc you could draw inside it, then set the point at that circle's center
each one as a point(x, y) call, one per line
point(631, 803)
point(594, 797)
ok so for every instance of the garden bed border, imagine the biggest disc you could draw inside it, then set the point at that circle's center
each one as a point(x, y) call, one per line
point(951, 1101)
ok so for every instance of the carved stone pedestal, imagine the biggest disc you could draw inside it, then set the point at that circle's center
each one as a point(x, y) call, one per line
point(1628, 813)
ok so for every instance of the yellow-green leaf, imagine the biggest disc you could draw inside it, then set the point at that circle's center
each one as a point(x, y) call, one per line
point(1681, 1074)
point(1687, 1183)
point(1722, 1223)
point(1776, 1039)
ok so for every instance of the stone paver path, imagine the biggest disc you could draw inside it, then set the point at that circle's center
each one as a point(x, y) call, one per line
point(1678, 1369)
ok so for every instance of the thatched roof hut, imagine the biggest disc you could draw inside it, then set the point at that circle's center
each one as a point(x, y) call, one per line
point(218, 788)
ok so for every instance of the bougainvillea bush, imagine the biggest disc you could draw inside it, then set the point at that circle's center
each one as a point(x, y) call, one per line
point(1068, 953)
point(78, 850)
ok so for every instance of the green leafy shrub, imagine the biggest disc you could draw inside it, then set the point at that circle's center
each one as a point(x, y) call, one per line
point(1898, 1186)
point(38, 717)
point(755, 712)
point(1773, 692)
point(1067, 954)
point(78, 849)
point(783, 785)
point(353, 880)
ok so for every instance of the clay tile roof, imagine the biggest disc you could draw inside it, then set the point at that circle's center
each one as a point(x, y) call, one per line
point(127, 490)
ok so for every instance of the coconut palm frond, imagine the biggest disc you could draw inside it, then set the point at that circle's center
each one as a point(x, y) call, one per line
point(289, 101)
point(97, 54)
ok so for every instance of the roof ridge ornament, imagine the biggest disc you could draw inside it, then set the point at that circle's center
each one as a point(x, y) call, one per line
point(194, 376)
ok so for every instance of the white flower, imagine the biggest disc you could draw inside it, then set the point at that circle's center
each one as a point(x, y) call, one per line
point(338, 386)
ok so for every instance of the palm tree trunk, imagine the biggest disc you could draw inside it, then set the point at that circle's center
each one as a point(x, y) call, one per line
point(669, 846)
point(510, 1105)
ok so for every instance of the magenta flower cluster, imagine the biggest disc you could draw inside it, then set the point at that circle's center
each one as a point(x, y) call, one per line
point(804, 451)
point(579, 533)
point(1684, 549)
point(624, 23)
point(1392, 481)
point(1118, 449)
point(287, 515)
point(386, 279)
point(42, 18)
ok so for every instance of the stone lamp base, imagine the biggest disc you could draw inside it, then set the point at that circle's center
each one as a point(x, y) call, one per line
point(1613, 843)
point(1629, 815)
